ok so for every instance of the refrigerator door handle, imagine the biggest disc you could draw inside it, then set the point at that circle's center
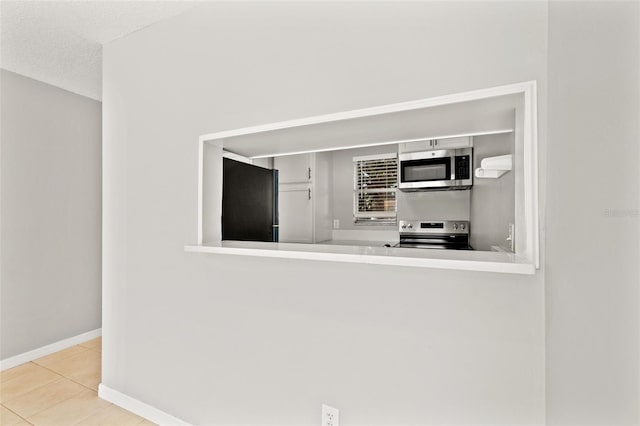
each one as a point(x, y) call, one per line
point(276, 210)
point(309, 193)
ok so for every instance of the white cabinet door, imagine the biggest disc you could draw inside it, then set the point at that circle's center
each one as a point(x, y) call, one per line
point(415, 146)
point(428, 145)
point(295, 215)
point(452, 143)
point(293, 168)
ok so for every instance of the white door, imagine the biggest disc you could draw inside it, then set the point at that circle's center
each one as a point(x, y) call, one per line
point(295, 216)
point(293, 168)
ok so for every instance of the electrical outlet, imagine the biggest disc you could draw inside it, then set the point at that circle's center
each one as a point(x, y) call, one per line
point(330, 416)
point(336, 223)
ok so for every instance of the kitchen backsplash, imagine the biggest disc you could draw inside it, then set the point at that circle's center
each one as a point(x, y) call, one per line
point(434, 205)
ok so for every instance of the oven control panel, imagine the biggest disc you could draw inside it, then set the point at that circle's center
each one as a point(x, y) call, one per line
point(433, 226)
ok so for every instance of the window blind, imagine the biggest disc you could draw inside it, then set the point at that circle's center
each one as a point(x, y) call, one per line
point(375, 183)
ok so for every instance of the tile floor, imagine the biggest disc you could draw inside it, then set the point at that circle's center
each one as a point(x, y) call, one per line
point(60, 390)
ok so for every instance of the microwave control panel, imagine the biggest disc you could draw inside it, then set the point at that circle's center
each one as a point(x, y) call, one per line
point(463, 168)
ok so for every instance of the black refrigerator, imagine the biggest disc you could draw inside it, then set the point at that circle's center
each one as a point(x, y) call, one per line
point(249, 202)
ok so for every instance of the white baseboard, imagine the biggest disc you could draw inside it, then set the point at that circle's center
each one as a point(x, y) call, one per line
point(138, 407)
point(49, 349)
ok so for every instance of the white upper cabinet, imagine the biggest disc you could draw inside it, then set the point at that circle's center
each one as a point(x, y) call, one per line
point(418, 146)
point(452, 143)
point(431, 144)
point(305, 206)
point(294, 168)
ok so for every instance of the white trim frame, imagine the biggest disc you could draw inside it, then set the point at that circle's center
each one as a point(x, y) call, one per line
point(200, 189)
point(48, 349)
point(474, 95)
point(530, 131)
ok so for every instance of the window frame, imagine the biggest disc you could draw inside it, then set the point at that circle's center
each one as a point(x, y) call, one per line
point(375, 218)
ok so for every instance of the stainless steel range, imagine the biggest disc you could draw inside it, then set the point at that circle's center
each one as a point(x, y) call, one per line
point(434, 234)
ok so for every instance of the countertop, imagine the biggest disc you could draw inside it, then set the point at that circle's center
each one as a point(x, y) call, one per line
point(374, 252)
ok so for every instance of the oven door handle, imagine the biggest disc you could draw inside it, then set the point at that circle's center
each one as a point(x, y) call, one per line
point(426, 240)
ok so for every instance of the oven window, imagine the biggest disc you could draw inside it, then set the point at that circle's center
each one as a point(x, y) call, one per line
point(426, 170)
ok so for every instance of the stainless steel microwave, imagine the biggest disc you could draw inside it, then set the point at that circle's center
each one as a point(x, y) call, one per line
point(436, 170)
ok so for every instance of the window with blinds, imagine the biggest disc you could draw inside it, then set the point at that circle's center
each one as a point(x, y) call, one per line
point(375, 182)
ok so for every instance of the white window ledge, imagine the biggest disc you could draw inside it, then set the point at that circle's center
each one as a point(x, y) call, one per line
point(466, 260)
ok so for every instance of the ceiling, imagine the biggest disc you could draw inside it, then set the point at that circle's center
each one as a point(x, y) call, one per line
point(60, 42)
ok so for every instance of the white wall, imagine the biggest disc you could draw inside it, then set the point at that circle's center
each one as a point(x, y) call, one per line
point(492, 200)
point(593, 226)
point(216, 339)
point(434, 205)
point(51, 211)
